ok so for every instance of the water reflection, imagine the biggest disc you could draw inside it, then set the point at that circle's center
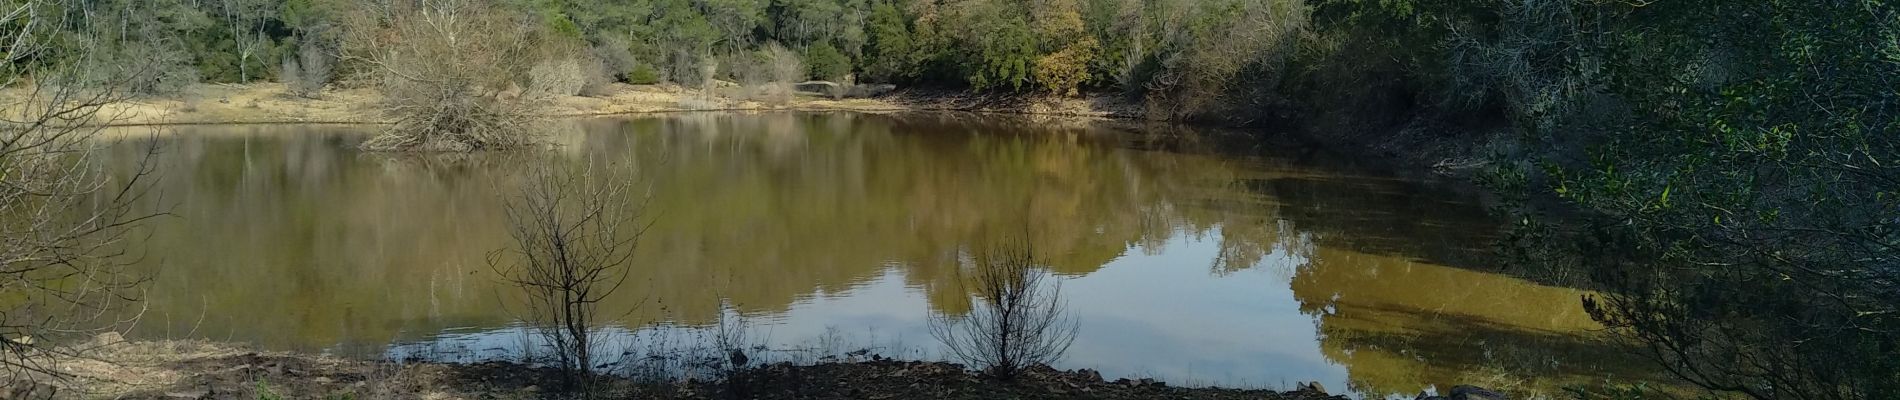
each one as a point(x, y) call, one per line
point(1184, 265)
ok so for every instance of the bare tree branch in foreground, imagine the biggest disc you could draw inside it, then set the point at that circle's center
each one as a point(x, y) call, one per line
point(63, 221)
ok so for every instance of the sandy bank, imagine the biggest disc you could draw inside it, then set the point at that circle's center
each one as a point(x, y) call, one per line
point(269, 103)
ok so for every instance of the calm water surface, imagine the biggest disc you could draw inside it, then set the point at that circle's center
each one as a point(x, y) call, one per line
point(1195, 258)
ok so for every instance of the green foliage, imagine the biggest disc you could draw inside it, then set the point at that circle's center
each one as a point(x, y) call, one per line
point(890, 52)
point(560, 25)
point(1772, 155)
point(677, 38)
point(998, 46)
point(643, 74)
point(735, 20)
point(804, 23)
point(264, 392)
point(825, 62)
point(1060, 46)
point(1742, 162)
point(308, 15)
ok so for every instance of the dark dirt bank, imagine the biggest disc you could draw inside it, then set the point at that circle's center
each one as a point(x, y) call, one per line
point(209, 371)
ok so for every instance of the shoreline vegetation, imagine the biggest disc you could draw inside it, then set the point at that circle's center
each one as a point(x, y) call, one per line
point(273, 103)
point(201, 369)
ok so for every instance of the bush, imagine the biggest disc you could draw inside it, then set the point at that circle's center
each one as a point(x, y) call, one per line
point(786, 71)
point(825, 62)
point(562, 77)
point(1226, 48)
point(1068, 48)
point(615, 56)
point(1063, 72)
point(155, 67)
point(447, 84)
point(643, 74)
point(305, 74)
point(598, 78)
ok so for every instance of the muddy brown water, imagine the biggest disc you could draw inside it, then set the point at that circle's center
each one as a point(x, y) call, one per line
point(1192, 257)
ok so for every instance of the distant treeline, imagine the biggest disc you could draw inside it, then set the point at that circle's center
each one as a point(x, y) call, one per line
point(1188, 51)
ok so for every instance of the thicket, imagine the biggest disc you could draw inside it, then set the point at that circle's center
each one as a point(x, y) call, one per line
point(1738, 164)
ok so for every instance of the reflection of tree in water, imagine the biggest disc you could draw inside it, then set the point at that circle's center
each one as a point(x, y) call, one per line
point(1399, 280)
point(294, 241)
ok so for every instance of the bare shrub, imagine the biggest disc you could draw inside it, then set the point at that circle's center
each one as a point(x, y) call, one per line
point(158, 66)
point(786, 70)
point(562, 77)
point(1018, 320)
point(615, 56)
point(574, 232)
point(446, 67)
point(749, 69)
point(308, 72)
point(63, 221)
point(598, 79)
point(708, 77)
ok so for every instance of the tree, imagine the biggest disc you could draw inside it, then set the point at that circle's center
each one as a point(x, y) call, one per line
point(1067, 48)
point(826, 62)
point(1116, 27)
point(889, 54)
point(801, 23)
point(997, 48)
point(679, 39)
point(244, 21)
point(62, 221)
point(574, 234)
point(735, 20)
point(149, 43)
point(1018, 321)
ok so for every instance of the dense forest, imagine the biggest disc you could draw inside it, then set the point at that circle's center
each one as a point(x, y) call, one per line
point(1737, 163)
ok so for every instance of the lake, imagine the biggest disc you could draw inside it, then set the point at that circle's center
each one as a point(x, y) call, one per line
point(1194, 257)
